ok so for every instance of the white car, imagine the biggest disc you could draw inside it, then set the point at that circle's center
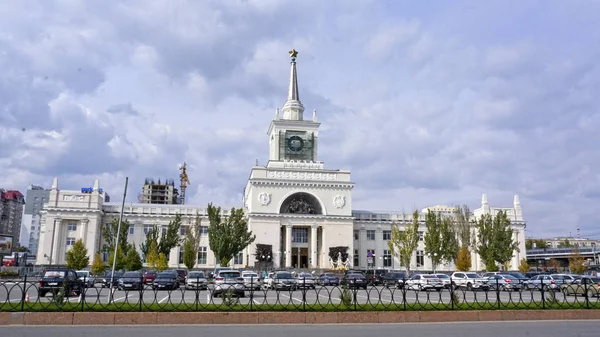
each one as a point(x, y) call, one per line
point(305, 280)
point(88, 280)
point(424, 282)
point(469, 280)
point(229, 281)
point(196, 280)
point(251, 280)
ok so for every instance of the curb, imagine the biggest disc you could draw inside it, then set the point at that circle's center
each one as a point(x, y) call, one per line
point(169, 318)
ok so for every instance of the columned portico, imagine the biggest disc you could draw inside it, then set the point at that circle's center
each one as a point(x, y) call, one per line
point(288, 245)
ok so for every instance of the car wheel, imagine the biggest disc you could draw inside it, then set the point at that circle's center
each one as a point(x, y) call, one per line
point(42, 293)
point(469, 286)
point(565, 291)
point(590, 293)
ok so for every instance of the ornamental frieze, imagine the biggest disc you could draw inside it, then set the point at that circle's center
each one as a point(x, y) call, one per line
point(294, 175)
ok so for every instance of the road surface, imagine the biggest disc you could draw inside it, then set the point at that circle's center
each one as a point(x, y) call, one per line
point(590, 328)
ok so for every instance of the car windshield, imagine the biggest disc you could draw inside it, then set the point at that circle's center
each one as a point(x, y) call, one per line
point(54, 273)
point(517, 275)
point(356, 276)
point(442, 276)
point(250, 275)
point(429, 276)
point(472, 275)
point(329, 275)
point(196, 275)
point(229, 274)
point(398, 275)
point(305, 275)
point(165, 275)
point(507, 276)
point(284, 275)
point(558, 277)
point(131, 274)
point(82, 274)
point(149, 273)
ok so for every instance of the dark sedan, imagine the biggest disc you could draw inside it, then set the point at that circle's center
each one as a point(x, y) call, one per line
point(167, 281)
point(131, 280)
point(394, 280)
point(53, 280)
point(107, 277)
point(355, 281)
point(328, 279)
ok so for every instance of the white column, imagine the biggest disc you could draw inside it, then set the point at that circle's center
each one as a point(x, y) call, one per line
point(83, 231)
point(362, 251)
point(378, 248)
point(313, 246)
point(288, 245)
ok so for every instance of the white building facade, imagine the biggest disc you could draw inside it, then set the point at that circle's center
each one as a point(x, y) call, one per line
point(292, 203)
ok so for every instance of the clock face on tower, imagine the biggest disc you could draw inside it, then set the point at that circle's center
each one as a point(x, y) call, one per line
point(296, 145)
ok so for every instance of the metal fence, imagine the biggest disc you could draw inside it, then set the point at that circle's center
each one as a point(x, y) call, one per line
point(26, 295)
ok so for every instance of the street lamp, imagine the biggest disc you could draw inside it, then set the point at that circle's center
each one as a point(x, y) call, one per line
point(432, 264)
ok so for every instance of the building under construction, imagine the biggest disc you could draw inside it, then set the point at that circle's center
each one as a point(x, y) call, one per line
point(159, 192)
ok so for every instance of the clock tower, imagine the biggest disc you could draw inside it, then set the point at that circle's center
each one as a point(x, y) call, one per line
point(293, 204)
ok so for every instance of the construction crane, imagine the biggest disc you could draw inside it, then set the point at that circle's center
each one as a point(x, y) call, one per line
point(184, 182)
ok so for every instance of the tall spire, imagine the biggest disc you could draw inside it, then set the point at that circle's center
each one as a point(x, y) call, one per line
point(293, 108)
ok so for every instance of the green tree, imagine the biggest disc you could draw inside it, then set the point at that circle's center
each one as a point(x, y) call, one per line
point(577, 262)
point(171, 238)
point(151, 236)
point(485, 242)
point(98, 267)
point(228, 236)
point(404, 242)
point(77, 256)
point(554, 264)
point(109, 235)
point(464, 227)
point(189, 253)
point(152, 256)
point(440, 240)
point(504, 241)
point(133, 261)
point(463, 260)
point(539, 244)
point(194, 231)
point(120, 263)
point(524, 266)
point(162, 263)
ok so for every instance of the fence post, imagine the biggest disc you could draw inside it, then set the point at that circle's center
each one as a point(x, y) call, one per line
point(404, 293)
point(304, 294)
point(585, 288)
point(24, 292)
point(82, 292)
point(543, 296)
point(451, 294)
point(251, 291)
point(497, 293)
point(141, 290)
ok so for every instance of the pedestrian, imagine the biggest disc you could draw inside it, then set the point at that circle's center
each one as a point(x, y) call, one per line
point(264, 274)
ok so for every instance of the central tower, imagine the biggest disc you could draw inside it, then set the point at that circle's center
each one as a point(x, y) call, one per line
point(291, 138)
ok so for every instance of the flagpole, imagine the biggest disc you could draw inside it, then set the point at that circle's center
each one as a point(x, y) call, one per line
point(112, 274)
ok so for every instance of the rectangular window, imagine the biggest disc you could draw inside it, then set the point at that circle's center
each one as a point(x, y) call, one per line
point(300, 235)
point(71, 227)
point(202, 255)
point(387, 258)
point(370, 257)
point(163, 230)
point(420, 235)
point(203, 230)
point(356, 258)
point(356, 235)
point(180, 255)
point(387, 235)
point(420, 258)
point(182, 230)
point(70, 242)
point(32, 228)
point(371, 235)
point(131, 229)
point(148, 229)
point(239, 258)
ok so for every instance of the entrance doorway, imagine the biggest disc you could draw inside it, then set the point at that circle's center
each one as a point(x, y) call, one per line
point(303, 260)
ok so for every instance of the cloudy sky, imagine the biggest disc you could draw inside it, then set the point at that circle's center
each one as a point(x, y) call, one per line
point(427, 104)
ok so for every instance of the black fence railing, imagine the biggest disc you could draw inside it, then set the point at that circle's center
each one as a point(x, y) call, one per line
point(290, 295)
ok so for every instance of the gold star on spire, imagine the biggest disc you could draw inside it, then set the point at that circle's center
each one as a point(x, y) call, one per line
point(293, 53)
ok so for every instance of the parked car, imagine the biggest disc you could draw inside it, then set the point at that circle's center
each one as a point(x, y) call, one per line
point(87, 279)
point(107, 278)
point(545, 282)
point(55, 278)
point(579, 287)
point(283, 280)
point(229, 281)
point(394, 279)
point(182, 275)
point(196, 280)
point(149, 277)
point(328, 279)
point(131, 280)
point(424, 282)
point(504, 282)
point(166, 280)
point(469, 280)
point(355, 281)
point(305, 280)
point(446, 280)
point(375, 276)
point(251, 280)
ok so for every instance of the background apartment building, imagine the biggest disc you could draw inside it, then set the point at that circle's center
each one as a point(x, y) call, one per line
point(159, 193)
point(35, 198)
point(11, 212)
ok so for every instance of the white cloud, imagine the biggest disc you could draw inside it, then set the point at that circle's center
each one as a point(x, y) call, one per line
point(424, 111)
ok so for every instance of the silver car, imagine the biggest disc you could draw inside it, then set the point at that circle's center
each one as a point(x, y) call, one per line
point(88, 280)
point(229, 281)
point(305, 280)
point(251, 280)
point(196, 280)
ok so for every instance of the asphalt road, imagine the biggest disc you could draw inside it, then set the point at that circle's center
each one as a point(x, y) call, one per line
point(12, 292)
point(478, 329)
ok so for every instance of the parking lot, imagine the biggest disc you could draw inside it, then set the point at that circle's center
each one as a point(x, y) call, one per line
point(12, 292)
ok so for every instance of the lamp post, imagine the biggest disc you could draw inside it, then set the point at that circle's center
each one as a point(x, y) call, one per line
point(432, 257)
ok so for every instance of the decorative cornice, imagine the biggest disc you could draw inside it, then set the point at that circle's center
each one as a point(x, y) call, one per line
point(301, 183)
point(74, 210)
point(300, 216)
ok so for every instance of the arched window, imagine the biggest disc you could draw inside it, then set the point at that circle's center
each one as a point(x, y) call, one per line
point(301, 203)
